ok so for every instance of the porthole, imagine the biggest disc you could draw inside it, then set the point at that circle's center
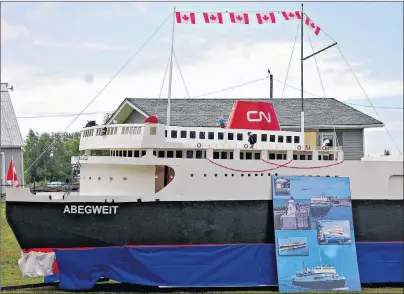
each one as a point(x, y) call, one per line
point(225, 175)
point(242, 175)
point(215, 175)
point(232, 175)
point(89, 178)
point(276, 175)
point(125, 178)
point(249, 175)
point(204, 175)
point(256, 175)
point(192, 175)
point(269, 174)
point(110, 178)
point(99, 178)
point(262, 175)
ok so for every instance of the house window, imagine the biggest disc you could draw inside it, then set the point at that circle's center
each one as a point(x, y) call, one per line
point(215, 155)
point(170, 154)
point(280, 139)
point(130, 153)
point(161, 154)
point(136, 153)
point(241, 155)
point(294, 156)
point(220, 136)
point(143, 152)
point(192, 134)
point(264, 137)
point(288, 139)
point(223, 155)
point(296, 139)
point(190, 154)
point(309, 157)
point(211, 135)
point(302, 157)
point(248, 155)
point(271, 155)
point(183, 134)
point(279, 156)
point(165, 133)
point(230, 136)
point(201, 135)
point(231, 154)
point(257, 156)
point(240, 137)
point(178, 154)
point(124, 153)
point(173, 134)
point(272, 138)
point(200, 154)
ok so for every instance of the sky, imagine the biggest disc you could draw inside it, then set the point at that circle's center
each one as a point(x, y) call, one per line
point(58, 57)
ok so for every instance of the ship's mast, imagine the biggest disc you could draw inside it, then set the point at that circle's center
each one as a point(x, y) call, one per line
point(301, 73)
point(170, 74)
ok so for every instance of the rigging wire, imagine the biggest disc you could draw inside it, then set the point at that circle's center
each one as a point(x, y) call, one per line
point(162, 84)
point(102, 90)
point(232, 87)
point(367, 97)
point(322, 87)
point(179, 69)
point(290, 60)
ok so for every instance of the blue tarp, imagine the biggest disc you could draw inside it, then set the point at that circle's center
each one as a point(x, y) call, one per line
point(204, 266)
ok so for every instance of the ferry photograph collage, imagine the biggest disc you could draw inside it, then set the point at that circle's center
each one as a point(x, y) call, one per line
point(314, 234)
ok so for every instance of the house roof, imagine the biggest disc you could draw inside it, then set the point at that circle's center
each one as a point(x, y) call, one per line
point(10, 131)
point(319, 112)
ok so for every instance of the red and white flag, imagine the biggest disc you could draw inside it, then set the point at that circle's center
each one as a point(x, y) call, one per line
point(239, 18)
point(292, 15)
point(268, 17)
point(185, 17)
point(11, 177)
point(213, 17)
point(316, 29)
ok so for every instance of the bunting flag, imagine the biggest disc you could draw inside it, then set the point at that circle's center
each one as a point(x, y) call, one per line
point(185, 17)
point(215, 17)
point(264, 18)
point(11, 177)
point(243, 18)
point(239, 18)
point(291, 15)
point(316, 29)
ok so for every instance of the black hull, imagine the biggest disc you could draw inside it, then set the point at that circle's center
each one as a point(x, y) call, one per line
point(321, 285)
point(44, 225)
point(319, 211)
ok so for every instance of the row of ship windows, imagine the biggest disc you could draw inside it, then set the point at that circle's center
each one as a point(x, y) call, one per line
point(112, 131)
point(230, 136)
point(201, 154)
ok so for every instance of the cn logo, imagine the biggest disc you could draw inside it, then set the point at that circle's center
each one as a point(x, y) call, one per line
point(255, 116)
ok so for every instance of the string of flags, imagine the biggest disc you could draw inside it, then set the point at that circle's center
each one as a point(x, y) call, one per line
point(244, 18)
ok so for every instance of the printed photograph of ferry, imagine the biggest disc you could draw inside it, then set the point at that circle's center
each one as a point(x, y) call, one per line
point(290, 214)
point(293, 246)
point(321, 277)
point(320, 205)
point(282, 186)
point(334, 232)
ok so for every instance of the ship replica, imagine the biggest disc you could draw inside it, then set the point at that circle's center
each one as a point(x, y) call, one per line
point(319, 278)
point(158, 184)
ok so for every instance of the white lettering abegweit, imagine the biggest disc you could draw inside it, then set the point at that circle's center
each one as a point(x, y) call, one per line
point(261, 116)
point(90, 209)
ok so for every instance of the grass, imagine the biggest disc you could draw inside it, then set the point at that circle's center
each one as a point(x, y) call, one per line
point(11, 275)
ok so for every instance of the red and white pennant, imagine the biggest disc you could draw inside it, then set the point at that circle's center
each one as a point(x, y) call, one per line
point(316, 29)
point(185, 17)
point(213, 17)
point(243, 18)
point(264, 18)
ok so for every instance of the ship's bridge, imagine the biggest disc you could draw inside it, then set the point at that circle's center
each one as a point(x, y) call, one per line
point(160, 136)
